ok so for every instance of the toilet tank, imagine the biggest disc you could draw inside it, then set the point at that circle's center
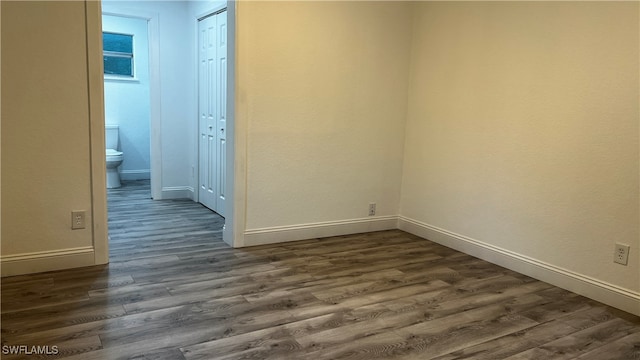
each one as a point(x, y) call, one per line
point(111, 137)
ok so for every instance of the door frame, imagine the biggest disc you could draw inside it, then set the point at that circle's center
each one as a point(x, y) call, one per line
point(237, 133)
point(233, 232)
point(155, 112)
point(236, 172)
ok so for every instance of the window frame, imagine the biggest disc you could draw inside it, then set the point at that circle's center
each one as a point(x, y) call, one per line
point(119, 54)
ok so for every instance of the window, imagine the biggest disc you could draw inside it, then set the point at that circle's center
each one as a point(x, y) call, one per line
point(118, 54)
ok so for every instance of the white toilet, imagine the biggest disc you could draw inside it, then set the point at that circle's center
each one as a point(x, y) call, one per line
point(114, 157)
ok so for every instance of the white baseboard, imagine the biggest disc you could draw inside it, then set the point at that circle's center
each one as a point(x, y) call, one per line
point(177, 192)
point(601, 291)
point(42, 261)
point(144, 174)
point(317, 230)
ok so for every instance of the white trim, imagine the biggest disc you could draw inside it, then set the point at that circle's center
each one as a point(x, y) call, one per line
point(155, 111)
point(113, 78)
point(140, 174)
point(280, 234)
point(604, 292)
point(41, 261)
point(176, 192)
point(237, 132)
point(99, 223)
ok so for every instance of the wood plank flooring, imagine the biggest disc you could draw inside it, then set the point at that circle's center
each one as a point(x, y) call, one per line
point(174, 290)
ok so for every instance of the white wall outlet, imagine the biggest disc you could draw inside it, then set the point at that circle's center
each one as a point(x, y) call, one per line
point(621, 254)
point(372, 209)
point(78, 219)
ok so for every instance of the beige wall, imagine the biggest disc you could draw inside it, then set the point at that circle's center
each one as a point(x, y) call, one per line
point(522, 130)
point(322, 89)
point(45, 127)
point(521, 124)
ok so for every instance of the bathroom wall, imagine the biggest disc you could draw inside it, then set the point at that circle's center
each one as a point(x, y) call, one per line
point(127, 101)
point(176, 97)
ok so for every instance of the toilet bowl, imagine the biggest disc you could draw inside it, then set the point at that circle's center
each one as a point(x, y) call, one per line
point(114, 159)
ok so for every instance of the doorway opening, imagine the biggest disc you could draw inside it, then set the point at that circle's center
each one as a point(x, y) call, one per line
point(127, 104)
point(168, 161)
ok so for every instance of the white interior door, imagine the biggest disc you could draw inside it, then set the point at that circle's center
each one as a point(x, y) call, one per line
point(221, 136)
point(212, 97)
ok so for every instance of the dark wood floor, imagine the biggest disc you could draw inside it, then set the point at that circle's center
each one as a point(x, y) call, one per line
point(174, 290)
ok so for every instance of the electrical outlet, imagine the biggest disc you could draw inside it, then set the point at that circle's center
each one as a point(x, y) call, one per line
point(372, 209)
point(621, 254)
point(77, 219)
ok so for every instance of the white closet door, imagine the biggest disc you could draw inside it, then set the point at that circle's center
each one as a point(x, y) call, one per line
point(208, 78)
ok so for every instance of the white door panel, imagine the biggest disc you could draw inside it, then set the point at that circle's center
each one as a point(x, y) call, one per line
point(207, 146)
point(221, 114)
point(212, 97)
